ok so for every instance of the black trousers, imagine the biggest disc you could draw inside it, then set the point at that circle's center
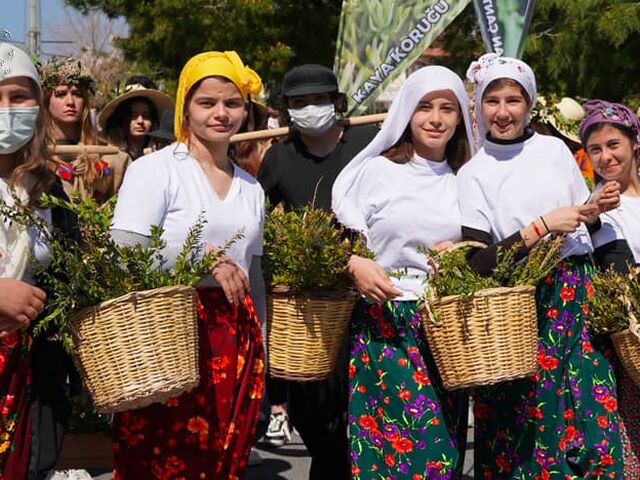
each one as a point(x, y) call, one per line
point(318, 411)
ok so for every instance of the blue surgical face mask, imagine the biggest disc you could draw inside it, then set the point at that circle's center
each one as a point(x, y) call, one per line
point(313, 120)
point(17, 126)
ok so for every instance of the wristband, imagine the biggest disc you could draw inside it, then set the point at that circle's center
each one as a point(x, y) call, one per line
point(536, 229)
point(545, 224)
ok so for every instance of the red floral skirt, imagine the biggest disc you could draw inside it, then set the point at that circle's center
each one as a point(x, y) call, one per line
point(207, 432)
point(15, 416)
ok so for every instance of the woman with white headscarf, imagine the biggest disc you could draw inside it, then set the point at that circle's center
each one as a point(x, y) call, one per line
point(518, 188)
point(400, 193)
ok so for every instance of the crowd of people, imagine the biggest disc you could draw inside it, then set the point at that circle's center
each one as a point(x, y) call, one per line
point(430, 175)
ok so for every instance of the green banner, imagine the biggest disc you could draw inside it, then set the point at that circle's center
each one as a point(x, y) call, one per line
point(380, 39)
point(504, 24)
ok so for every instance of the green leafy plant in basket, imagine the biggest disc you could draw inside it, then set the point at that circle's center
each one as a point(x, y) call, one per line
point(452, 274)
point(92, 269)
point(615, 296)
point(305, 251)
point(482, 330)
point(311, 295)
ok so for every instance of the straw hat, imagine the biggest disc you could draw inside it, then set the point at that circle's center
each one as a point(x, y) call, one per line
point(161, 102)
point(564, 116)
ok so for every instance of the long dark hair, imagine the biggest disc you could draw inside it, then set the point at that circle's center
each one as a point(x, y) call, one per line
point(457, 151)
point(117, 128)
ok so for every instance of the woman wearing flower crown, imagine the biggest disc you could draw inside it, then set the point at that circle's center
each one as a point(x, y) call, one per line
point(520, 187)
point(68, 90)
point(207, 432)
point(610, 133)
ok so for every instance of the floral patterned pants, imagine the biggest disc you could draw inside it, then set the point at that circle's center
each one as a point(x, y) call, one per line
point(402, 423)
point(15, 413)
point(207, 432)
point(563, 422)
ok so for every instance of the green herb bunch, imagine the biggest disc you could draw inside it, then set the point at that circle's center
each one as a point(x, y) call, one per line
point(615, 295)
point(304, 250)
point(91, 269)
point(452, 274)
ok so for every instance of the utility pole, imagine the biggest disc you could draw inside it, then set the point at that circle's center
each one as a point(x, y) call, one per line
point(33, 22)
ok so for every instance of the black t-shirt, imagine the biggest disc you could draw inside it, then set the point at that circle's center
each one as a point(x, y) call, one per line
point(290, 174)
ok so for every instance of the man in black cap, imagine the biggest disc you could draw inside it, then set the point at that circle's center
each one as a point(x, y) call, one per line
point(295, 172)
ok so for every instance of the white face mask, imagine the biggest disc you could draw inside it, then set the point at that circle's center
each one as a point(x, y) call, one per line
point(273, 122)
point(17, 126)
point(313, 120)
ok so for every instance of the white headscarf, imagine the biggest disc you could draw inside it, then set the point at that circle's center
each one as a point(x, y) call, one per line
point(490, 67)
point(16, 63)
point(420, 83)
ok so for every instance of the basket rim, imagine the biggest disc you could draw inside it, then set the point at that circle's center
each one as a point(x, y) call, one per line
point(485, 292)
point(622, 333)
point(281, 291)
point(127, 296)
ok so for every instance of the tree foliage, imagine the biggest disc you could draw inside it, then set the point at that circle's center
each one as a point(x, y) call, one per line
point(270, 35)
point(578, 48)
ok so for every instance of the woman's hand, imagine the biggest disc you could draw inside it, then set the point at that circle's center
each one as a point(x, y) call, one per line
point(20, 304)
point(607, 197)
point(371, 280)
point(232, 279)
point(568, 219)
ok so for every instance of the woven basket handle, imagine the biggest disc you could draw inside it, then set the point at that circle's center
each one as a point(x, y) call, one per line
point(432, 261)
point(634, 326)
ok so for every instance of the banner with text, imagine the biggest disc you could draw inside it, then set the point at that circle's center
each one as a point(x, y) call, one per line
point(504, 24)
point(380, 39)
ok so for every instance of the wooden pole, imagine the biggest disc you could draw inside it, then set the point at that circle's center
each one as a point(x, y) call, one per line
point(281, 132)
point(83, 149)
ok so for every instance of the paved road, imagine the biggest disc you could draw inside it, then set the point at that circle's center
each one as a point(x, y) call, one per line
point(291, 462)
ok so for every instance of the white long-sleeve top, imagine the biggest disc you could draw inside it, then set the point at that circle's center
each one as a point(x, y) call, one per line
point(504, 187)
point(401, 207)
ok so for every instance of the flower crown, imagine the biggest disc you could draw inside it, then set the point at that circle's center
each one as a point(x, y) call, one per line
point(68, 71)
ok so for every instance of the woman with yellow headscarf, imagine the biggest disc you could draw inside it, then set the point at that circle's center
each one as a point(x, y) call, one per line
point(205, 433)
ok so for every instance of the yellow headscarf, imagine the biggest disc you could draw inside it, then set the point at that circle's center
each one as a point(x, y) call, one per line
point(207, 64)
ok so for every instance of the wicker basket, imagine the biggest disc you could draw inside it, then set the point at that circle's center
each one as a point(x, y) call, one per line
point(627, 345)
point(489, 338)
point(306, 332)
point(139, 348)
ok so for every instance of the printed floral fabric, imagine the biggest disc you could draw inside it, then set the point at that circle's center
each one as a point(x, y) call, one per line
point(402, 423)
point(563, 422)
point(207, 432)
point(15, 417)
point(629, 406)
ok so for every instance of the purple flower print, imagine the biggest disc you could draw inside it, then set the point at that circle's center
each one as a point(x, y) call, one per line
point(376, 438)
point(415, 409)
point(599, 392)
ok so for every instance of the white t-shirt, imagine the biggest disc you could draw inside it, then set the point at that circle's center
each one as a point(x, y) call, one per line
point(35, 244)
point(505, 187)
point(622, 223)
point(405, 206)
point(168, 188)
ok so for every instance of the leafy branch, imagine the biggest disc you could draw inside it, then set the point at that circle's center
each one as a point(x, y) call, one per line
point(304, 250)
point(93, 268)
point(452, 274)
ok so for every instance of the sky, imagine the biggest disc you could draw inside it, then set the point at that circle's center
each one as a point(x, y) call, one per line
point(52, 15)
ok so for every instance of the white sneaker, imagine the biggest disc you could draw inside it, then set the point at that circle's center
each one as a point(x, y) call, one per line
point(69, 475)
point(279, 430)
point(254, 458)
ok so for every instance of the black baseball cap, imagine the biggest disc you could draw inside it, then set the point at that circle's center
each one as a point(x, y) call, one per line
point(309, 79)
